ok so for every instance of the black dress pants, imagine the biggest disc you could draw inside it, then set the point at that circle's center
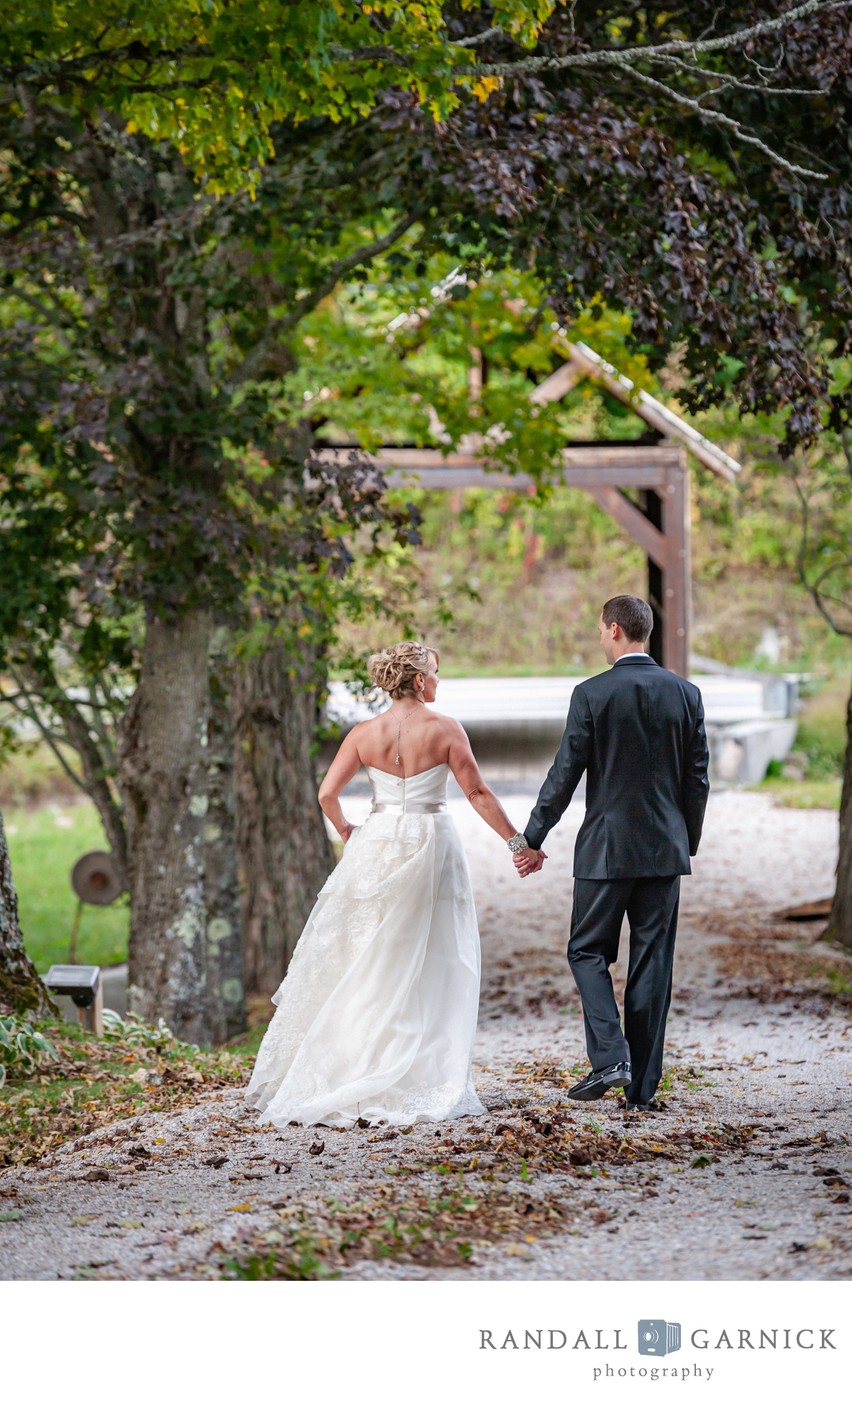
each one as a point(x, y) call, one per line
point(599, 908)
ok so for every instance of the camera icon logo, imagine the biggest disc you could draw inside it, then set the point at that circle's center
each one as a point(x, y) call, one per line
point(657, 1338)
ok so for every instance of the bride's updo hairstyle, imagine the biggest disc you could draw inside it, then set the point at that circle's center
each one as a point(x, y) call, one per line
point(395, 668)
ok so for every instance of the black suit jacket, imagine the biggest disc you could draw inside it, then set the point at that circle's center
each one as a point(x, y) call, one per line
point(638, 732)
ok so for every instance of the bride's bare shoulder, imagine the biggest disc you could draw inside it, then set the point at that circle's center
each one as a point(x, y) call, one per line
point(361, 733)
point(447, 724)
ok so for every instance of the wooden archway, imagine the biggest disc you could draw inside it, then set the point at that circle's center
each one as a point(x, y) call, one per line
point(655, 512)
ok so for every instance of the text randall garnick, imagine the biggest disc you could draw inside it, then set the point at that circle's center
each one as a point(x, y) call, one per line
point(605, 1340)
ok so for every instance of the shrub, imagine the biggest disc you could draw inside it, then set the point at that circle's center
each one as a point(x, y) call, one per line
point(22, 1048)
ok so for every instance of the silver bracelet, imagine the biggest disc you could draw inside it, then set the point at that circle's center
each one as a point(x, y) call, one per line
point(517, 843)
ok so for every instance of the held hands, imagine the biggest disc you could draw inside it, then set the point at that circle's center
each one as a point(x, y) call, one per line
point(531, 860)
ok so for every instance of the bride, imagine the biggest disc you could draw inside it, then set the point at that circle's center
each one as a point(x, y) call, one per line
point(377, 1013)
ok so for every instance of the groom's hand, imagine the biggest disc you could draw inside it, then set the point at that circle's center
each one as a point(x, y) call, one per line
point(529, 861)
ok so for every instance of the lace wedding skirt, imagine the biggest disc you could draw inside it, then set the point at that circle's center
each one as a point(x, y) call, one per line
point(376, 1016)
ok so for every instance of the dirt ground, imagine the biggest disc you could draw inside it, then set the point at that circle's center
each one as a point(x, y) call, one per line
point(744, 1173)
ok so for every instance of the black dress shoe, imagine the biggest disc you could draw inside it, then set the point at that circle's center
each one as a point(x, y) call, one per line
point(595, 1084)
point(643, 1107)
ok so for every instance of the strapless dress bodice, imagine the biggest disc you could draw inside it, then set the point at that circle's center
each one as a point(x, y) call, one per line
point(425, 792)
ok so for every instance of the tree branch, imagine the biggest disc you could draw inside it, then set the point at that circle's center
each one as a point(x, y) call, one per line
point(716, 119)
point(820, 599)
point(60, 328)
point(94, 761)
point(52, 740)
point(475, 39)
point(42, 72)
point(597, 57)
point(279, 328)
point(730, 81)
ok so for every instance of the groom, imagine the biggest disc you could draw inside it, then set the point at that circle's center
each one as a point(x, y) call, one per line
point(638, 733)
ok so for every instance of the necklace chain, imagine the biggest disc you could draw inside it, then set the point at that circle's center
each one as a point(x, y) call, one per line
point(402, 720)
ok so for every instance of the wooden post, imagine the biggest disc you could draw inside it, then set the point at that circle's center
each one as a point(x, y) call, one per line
point(92, 1019)
point(669, 576)
point(656, 578)
point(677, 588)
point(75, 931)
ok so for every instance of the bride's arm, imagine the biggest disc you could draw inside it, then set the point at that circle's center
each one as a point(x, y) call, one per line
point(342, 769)
point(463, 764)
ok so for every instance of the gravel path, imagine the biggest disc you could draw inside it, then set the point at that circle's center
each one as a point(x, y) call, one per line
point(745, 1174)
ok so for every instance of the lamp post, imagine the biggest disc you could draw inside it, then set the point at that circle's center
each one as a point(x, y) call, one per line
point(83, 984)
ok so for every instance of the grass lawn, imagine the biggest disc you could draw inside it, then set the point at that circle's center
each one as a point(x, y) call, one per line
point(44, 845)
point(804, 794)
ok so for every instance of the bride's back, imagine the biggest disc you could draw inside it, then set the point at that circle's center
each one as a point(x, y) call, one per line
point(405, 740)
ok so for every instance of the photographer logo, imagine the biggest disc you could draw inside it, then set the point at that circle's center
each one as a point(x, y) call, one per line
point(657, 1338)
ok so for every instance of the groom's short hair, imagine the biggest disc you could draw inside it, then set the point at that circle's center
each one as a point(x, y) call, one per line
point(633, 616)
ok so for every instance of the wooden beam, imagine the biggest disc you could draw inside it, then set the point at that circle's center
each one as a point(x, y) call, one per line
point(584, 466)
point(662, 471)
point(558, 385)
point(584, 477)
point(655, 413)
point(631, 518)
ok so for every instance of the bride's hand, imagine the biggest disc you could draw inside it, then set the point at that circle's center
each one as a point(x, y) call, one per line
point(347, 831)
point(530, 861)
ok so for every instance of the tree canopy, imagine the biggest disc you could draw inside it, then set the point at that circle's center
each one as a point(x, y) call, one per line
point(208, 210)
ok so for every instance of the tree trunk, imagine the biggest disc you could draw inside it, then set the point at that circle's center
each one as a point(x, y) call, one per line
point(225, 988)
point(163, 773)
point(283, 848)
point(840, 922)
point(21, 988)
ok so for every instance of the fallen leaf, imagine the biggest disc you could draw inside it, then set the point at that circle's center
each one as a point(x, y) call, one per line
point(521, 1252)
point(243, 1207)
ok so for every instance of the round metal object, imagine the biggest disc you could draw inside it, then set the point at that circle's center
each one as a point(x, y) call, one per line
point(96, 879)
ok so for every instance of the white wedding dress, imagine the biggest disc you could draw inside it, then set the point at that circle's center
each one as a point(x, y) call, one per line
point(376, 1016)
